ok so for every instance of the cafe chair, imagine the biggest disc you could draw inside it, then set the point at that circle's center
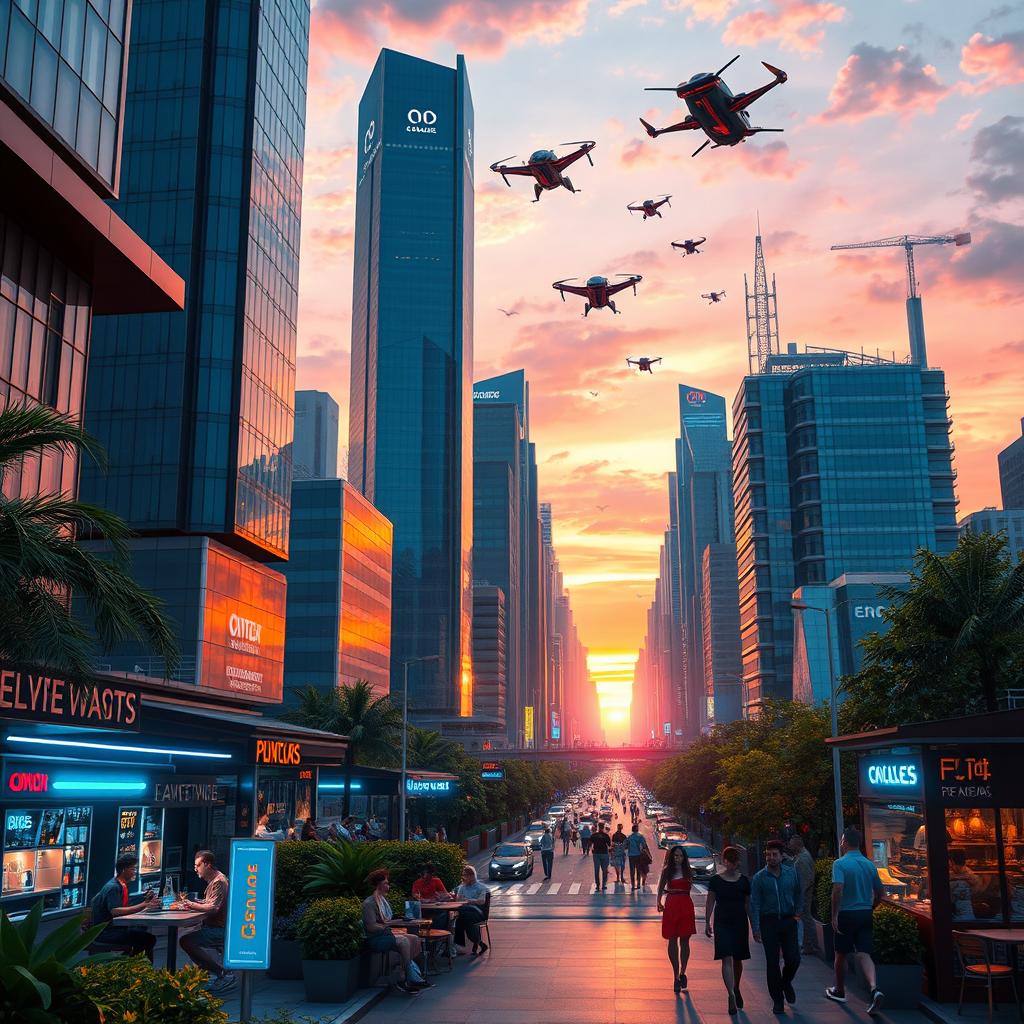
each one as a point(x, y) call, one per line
point(976, 967)
point(437, 942)
point(485, 927)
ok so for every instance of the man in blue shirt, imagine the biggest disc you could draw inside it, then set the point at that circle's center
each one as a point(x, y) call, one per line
point(775, 902)
point(856, 891)
point(113, 901)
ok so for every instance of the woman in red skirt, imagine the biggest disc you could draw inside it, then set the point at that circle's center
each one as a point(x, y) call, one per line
point(678, 922)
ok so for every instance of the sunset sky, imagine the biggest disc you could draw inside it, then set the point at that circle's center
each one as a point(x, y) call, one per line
point(899, 117)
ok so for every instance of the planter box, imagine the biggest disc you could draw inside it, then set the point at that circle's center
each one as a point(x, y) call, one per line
point(330, 981)
point(285, 960)
point(901, 983)
point(826, 942)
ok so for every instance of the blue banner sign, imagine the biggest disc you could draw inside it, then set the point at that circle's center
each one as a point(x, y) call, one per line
point(493, 774)
point(429, 787)
point(891, 774)
point(250, 905)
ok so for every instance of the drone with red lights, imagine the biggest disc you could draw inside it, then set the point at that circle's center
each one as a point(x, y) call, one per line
point(597, 291)
point(546, 168)
point(713, 297)
point(714, 109)
point(644, 364)
point(689, 247)
point(649, 207)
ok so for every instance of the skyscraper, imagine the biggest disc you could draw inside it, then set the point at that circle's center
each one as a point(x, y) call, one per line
point(1011, 472)
point(411, 415)
point(315, 450)
point(195, 408)
point(841, 464)
point(65, 255)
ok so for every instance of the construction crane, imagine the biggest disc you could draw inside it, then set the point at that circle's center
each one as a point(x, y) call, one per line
point(915, 315)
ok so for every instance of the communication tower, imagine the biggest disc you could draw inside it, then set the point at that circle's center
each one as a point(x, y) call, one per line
point(762, 313)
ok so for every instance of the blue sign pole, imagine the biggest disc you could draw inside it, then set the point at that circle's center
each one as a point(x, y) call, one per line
point(250, 912)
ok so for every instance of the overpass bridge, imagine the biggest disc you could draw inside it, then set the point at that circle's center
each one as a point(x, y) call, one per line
point(592, 755)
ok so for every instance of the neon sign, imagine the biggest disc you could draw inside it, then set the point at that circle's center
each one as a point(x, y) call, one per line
point(892, 774)
point(429, 787)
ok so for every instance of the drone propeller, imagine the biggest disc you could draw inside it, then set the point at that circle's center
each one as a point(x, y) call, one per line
point(777, 72)
point(585, 142)
point(733, 61)
point(565, 280)
point(637, 276)
point(498, 163)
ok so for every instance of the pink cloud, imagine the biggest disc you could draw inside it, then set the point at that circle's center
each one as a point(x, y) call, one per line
point(332, 241)
point(875, 81)
point(639, 153)
point(702, 10)
point(762, 160)
point(482, 28)
point(503, 213)
point(620, 7)
point(999, 61)
point(797, 25)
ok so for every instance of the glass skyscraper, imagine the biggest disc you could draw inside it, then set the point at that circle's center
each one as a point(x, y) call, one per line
point(1011, 472)
point(315, 451)
point(840, 465)
point(411, 410)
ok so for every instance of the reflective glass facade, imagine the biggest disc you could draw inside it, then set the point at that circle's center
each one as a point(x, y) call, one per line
point(837, 468)
point(195, 409)
point(44, 338)
point(65, 60)
point(339, 588)
point(315, 451)
point(411, 428)
point(1011, 472)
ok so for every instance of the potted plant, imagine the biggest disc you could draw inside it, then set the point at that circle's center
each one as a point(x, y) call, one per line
point(285, 947)
point(822, 909)
point(331, 932)
point(898, 957)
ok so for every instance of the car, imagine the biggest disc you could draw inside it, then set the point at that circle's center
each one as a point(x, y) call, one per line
point(556, 810)
point(589, 821)
point(669, 826)
point(703, 861)
point(511, 860)
point(671, 837)
point(653, 810)
point(533, 834)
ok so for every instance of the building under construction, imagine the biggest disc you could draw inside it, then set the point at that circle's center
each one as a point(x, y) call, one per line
point(842, 463)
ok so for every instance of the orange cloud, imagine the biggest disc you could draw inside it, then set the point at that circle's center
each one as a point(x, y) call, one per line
point(999, 61)
point(481, 28)
point(797, 25)
point(502, 214)
point(702, 10)
point(875, 81)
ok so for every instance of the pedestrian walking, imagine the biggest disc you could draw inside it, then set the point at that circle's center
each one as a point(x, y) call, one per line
point(728, 906)
point(619, 854)
point(547, 851)
point(585, 838)
point(636, 847)
point(804, 864)
point(774, 912)
point(574, 836)
point(678, 921)
point(601, 843)
point(856, 891)
point(565, 831)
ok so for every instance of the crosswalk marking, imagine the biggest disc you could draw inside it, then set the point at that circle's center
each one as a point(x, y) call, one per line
point(534, 889)
point(514, 890)
point(574, 889)
point(554, 889)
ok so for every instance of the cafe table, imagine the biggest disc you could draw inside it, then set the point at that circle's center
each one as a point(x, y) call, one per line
point(171, 920)
point(1013, 937)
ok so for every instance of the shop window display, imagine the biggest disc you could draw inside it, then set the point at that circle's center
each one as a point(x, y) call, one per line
point(897, 842)
point(973, 864)
point(1012, 821)
point(141, 833)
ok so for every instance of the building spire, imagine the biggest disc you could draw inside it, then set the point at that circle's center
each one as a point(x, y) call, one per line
point(762, 312)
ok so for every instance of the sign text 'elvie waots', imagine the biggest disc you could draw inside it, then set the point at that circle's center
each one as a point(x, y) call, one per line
point(41, 695)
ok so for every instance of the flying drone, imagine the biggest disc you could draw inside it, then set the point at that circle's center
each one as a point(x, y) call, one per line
point(643, 363)
point(597, 291)
point(546, 168)
point(689, 247)
point(649, 207)
point(713, 297)
point(714, 109)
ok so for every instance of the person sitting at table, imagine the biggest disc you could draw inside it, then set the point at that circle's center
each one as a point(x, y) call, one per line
point(428, 888)
point(474, 892)
point(264, 831)
point(113, 901)
point(378, 921)
point(202, 944)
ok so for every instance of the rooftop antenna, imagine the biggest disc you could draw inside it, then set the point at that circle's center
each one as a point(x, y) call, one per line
point(762, 312)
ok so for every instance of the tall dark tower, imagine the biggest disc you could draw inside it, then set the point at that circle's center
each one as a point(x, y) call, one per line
point(762, 313)
point(411, 405)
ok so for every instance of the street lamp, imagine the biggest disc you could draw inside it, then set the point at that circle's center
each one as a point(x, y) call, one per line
point(837, 783)
point(405, 733)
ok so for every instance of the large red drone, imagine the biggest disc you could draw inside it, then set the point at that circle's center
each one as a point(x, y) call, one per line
point(644, 364)
point(597, 291)
point(649, 207)
point(690, 246)
point(546, 168)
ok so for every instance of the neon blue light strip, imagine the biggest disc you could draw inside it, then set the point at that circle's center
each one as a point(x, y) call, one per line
point(340, 785)
point(118, 746)
point(97, 785)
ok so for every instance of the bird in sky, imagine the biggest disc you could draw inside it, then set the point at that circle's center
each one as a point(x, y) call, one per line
point(508, 312)
point(601, 508)
point(594, 394)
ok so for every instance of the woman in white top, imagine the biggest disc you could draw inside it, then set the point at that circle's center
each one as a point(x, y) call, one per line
point(472, 914)
point(378, 919)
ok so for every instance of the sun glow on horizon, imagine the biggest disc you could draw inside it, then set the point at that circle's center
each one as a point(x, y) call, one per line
point(612, 672)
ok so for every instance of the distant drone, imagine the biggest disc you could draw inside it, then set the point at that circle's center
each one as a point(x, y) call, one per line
point(594, 394)
point(597, 291)
point(714, 109)
point(689, 247)
point(713, 297)
point(546, 168)
point(649, 207)
point(508, 312)
point(644, 363)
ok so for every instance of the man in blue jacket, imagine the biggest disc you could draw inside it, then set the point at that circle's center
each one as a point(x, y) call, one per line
point(775, 904)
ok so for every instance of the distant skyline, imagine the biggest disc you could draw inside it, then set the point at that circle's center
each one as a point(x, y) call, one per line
point(899, 117)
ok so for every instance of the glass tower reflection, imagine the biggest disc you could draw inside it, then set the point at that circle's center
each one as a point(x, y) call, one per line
point(411, 425)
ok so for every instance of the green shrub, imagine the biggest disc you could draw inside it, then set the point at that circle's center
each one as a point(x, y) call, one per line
point(286, 927)
point(332, 929)
point(38, 984)
point(897, 940)
point(404, 861)
point(822, 908)
point(294, 861)
point(343, 867)
point(130, 989)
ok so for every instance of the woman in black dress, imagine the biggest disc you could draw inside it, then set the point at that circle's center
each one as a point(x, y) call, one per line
point(728, 905)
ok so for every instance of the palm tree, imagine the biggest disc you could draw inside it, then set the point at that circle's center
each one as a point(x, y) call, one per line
point(429, 750)
point(41, 566)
